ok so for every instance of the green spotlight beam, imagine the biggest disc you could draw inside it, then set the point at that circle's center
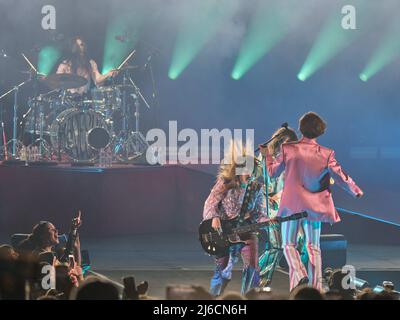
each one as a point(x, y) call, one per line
point(267, 27)
point(128, 25)
point(387, 51)
point(48, 57)
point(196, 29)
point(331, 40)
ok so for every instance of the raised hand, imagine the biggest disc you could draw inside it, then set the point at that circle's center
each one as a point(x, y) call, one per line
point(112, 73)
point(77, 222)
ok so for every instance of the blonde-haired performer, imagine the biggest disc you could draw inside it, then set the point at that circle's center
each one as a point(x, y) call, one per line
point(225, 202)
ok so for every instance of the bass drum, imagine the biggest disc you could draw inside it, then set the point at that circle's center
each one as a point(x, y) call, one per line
point(74, 129)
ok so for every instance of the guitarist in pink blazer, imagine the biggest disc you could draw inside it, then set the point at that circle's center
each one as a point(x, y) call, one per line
point(307, 168)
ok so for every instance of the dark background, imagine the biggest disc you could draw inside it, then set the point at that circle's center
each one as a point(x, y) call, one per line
point(205, 96)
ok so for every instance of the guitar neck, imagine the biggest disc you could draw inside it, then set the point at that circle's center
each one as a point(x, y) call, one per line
point(256, 226)
point(251, 227)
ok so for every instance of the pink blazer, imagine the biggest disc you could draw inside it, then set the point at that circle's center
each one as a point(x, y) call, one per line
point(307, 166)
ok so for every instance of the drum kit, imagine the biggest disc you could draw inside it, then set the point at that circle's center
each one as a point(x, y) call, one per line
point(66, 126)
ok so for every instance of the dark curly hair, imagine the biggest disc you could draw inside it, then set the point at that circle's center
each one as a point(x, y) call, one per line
point(311, 125)
point(76, 59)
point(39, 237)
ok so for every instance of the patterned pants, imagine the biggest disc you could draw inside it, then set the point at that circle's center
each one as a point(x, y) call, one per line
point(224, 265)
point(272, 254)
point(297, 270)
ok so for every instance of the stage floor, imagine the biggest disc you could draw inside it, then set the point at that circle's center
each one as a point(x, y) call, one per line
point(162, 260)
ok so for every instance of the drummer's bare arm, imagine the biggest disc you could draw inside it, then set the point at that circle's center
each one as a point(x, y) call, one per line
point(99, 78)
point(64, 67)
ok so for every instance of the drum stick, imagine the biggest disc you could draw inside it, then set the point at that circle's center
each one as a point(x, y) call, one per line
point(31, 65)
point(127, 58)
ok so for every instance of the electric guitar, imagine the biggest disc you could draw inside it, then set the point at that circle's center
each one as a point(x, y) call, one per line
point(217, 242)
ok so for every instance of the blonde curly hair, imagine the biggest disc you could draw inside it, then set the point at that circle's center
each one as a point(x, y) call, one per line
point(238, 156)
point(283, 135)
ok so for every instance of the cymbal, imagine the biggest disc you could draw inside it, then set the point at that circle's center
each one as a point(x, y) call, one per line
point(30, 72)
point(124, 86)
point(64, 81)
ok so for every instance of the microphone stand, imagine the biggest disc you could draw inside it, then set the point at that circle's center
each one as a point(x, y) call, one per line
point(264, 166)
point(264, 171)
point(137, 91)
point(153, 84)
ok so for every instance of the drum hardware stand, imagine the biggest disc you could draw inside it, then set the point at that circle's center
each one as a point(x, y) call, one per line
point(63, 95)
point(14, 142)
point(42, 142)
point(121, 146)
point(38, 108)
point(120, 143)
point(154, 94)
point(34, 78)
point(4, 152)
point(139, 143)
point(130, 144)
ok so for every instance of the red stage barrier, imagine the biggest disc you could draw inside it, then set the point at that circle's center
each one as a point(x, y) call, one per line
point(113, 201)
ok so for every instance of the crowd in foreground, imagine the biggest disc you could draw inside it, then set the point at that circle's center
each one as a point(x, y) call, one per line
point(22, 278)
point(39, 267)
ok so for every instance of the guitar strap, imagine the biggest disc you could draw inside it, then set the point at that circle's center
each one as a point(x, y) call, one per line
point(251, 188)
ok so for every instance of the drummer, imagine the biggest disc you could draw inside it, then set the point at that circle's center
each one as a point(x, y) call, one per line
point(80, 64)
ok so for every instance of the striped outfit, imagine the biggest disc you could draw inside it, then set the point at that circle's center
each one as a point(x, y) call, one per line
point(306, 164)
point(272, 254)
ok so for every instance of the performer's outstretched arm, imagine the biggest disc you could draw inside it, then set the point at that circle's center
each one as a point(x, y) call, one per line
point(342, 178)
